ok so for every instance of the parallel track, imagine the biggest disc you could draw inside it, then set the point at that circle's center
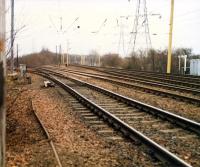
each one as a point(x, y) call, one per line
point(175, 77)
point(190, 83)
point(179, 97)
point(156, 79)
point(124, 113)
point(168, 86)
point(147, 78)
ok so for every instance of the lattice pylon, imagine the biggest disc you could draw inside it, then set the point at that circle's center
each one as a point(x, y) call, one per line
point(140, 15)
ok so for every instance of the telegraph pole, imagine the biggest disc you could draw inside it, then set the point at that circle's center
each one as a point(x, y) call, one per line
point(2, 84)
point(17, 55)
point(99, 60)
point(62, 58)
point(82, 59)
point(12, 36)
point(67, 56)
point(60, 54)
point(57, 54)
point(169, 59)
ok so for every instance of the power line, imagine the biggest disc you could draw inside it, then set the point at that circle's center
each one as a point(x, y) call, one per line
point(76, 19)
point(53, 24)
point(101, 26)
point(180, 17)
point(189, 12)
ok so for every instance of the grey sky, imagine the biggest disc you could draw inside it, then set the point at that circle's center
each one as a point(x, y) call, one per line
point(42, 18)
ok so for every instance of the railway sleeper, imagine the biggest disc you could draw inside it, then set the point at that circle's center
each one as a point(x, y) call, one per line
point(126, 129)
point(138, 106)
point(116, 126)
point(156, 92)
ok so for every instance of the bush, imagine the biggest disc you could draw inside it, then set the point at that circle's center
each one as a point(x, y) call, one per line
point(45, 57)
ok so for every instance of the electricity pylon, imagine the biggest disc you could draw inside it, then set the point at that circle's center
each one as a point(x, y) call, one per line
point(140, 22)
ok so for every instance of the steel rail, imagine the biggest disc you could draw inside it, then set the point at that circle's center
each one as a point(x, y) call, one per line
point(155, 78)
point(176, 88)
point(172, 76)
point(150, 81)
point(190, 100)
point(158, 75)
point(159, 152)
point(176, 119)
point(157, 84)
point(47, 136)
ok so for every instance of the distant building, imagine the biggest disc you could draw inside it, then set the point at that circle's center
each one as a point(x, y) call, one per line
point(195, 67)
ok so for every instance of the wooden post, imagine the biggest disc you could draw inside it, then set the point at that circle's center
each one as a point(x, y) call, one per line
point(2, 84)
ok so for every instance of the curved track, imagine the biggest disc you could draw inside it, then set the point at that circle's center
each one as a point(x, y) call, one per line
point(138, 120)
point(117, 81)
point(156, 75)
point(150, 82)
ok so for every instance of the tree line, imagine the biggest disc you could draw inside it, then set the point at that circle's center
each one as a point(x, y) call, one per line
point(155, 60)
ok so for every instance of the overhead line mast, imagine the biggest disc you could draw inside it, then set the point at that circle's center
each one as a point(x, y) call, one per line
point(169, 58)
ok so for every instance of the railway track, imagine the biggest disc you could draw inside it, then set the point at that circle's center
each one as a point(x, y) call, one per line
point(147, 78)
point(178, 77)
point(175, 77)
point(168, 86)
point(134, 119)
point(47, 136)
point(162, 93)
point(181, 78)
point(156, 79)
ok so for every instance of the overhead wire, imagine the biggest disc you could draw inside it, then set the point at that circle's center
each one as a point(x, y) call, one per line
point(53, 24)
point(76, 19)
point(101, 26)
point(189, 12)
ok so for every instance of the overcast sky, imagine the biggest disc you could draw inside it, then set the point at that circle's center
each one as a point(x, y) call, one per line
point(42, 21)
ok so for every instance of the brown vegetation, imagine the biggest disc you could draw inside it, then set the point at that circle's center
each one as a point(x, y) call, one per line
point(45, 57)
point(112, 60)
point(156, 60)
